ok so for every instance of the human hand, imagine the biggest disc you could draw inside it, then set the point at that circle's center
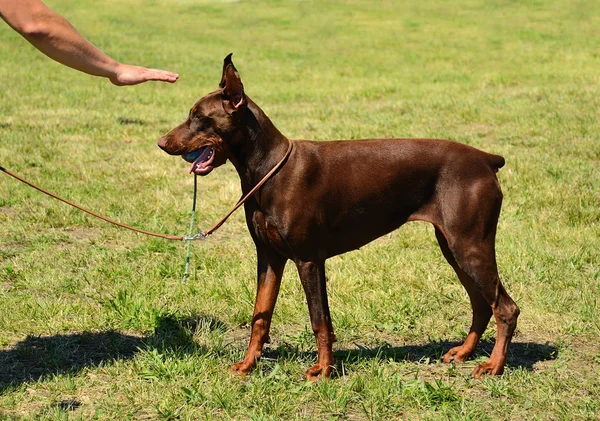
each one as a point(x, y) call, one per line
point(126, 75)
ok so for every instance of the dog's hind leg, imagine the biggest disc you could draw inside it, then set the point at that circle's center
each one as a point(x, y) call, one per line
point(312, 276)
point(477, 264)
point(270, 271)
point(482, 312)
point(467, 238)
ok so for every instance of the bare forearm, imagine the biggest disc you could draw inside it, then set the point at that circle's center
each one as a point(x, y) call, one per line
point(53, 35)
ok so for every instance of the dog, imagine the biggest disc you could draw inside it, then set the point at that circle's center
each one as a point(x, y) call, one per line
point(332, 197)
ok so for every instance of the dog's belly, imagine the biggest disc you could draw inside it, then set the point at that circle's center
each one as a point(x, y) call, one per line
point(348, 241)
point(308, 236)
point(360, 229)
point(360, 215)
point(308, 239)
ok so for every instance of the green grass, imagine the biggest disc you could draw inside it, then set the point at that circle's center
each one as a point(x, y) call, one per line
point(94, 320)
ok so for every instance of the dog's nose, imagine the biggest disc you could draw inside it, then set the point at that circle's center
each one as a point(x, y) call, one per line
point(162, 142)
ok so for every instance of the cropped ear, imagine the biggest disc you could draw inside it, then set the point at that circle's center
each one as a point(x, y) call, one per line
point(233, 88)
point(226, 61)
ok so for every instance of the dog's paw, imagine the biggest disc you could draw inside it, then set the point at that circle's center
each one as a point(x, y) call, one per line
point(457, 354)
point(242, 368)
point(317, 371)
point(488, 368)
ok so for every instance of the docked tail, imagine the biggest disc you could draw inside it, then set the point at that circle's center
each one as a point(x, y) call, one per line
point(496, 161)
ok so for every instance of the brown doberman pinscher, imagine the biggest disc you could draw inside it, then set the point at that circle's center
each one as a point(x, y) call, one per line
point(332, 197)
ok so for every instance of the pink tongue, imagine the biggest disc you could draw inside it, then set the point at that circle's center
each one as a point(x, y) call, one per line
point(195, 166)
point(204, 156)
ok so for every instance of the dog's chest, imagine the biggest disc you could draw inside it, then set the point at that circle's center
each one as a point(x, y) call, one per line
point(267, 232)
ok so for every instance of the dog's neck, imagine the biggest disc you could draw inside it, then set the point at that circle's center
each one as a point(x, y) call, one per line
point(259, 147)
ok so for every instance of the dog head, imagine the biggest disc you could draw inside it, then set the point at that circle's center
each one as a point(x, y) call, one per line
point(205, 137)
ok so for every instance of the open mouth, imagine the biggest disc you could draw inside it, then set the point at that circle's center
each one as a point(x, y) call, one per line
point(200, 159)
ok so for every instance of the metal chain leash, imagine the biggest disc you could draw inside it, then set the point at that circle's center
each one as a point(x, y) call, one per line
point(191, 237)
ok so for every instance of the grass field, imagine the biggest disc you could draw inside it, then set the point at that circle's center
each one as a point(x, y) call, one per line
point(95, 322)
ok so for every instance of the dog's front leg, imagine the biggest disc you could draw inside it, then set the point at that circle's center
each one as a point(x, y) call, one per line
point(312, 276)
point(270, 271)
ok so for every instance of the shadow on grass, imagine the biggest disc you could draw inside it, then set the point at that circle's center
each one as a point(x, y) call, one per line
point(37, 357)
point(520, 354)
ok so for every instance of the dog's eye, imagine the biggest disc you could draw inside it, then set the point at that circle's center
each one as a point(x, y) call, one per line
point(199, 123)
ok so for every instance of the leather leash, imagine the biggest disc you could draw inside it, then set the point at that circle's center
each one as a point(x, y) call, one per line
point(216, 226)
point(199, 236)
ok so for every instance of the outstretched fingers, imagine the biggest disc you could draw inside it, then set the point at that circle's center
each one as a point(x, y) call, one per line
point(128, 75)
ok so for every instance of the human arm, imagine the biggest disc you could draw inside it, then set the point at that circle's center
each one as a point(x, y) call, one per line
point(54, 36)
